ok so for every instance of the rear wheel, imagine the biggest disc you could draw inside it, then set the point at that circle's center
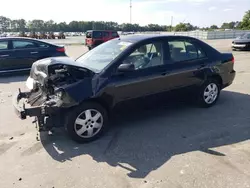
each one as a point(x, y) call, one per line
point(87, 122)
point(209, 93)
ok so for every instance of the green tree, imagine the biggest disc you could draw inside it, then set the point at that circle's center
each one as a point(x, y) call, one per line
point(214, 27)
point(62, 26)
point(185, 27)
point(230, 25)
point(5, 24)
point(36, 25)
point(245, 24)
point(50, 25)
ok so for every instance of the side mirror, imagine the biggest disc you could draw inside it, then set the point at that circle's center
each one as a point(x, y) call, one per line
point(126, 67)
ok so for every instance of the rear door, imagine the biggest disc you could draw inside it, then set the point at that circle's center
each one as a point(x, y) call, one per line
point(185, 64)
point(45, 50)
point(25, 53)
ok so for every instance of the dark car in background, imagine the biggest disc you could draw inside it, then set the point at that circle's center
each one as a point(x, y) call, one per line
point(242, 42)
point(42, 35)
point(33, 34)
point(19, 53)
point(22, 34)
point(61, 35)
point(80, 94)
point(51, 35)
point(97, 37)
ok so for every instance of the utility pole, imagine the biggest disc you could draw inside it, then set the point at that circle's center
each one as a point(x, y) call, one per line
point(130, 11)
point(171, 23)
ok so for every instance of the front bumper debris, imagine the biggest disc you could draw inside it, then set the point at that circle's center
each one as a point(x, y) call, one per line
point(46, 116)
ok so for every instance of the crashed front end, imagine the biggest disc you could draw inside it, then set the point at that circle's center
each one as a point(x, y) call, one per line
point(55, 86)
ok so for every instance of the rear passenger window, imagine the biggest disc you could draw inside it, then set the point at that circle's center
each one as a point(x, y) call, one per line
point(23, 44)
point(115, 34)
point(3, 45)
point(183, 51)
point(42, 45)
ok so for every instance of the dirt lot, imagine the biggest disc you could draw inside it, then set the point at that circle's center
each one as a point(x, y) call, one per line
point(172, 146)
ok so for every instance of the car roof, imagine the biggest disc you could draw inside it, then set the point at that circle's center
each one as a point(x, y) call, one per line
point(141, 37)
point(102, 30)
point(25, 38)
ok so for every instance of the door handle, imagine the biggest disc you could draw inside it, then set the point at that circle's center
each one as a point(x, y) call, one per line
point(33, 52)
point(4, 55)
point(164, 73)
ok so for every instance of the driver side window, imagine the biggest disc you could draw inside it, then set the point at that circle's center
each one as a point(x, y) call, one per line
point(146, 56)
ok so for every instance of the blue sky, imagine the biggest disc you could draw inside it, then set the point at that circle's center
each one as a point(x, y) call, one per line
point(197, 12)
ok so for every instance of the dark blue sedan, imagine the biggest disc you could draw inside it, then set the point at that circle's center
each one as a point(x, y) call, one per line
point(18, 54)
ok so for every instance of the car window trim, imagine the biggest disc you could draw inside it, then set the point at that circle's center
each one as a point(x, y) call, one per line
point(8, 46)
point(47, 45)
point(21, 49)
point(185, 40)
point(145, 43)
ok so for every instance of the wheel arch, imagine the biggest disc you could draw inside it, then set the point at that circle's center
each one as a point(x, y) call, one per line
point(217, 78)
point(106, 101)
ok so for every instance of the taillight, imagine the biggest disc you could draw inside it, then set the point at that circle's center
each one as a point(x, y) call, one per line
point(60, 49)
point(232, 59)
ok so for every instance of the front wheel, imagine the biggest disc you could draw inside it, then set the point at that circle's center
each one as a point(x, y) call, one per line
point(87, 122)
point(209, 93)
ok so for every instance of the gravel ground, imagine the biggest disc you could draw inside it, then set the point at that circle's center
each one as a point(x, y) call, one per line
point(171, 146)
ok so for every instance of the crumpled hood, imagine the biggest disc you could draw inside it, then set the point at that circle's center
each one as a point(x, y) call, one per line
point(62, 74)
point(41, 66)
point(39, 69)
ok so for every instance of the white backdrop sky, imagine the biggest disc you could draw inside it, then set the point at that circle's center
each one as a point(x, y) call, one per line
point(197, 12)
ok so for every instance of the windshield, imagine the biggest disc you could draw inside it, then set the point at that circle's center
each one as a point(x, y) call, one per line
point(245, 36)
point(102, 55)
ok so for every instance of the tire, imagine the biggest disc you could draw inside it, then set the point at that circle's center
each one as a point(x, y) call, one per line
point(83, 129)
point(209, 93)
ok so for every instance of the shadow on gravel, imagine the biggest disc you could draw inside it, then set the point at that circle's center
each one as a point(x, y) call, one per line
point(144, 138)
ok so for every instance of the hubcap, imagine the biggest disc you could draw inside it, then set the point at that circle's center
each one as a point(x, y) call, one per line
point(210, 93)
point(88, 123)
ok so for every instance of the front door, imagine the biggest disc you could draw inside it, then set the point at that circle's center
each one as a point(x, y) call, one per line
point(147, 77)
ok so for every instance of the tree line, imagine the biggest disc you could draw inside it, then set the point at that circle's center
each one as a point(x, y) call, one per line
point(8, 25)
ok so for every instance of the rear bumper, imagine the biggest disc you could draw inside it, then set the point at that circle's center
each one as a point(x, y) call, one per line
point(228, 80)
point(46, 116)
